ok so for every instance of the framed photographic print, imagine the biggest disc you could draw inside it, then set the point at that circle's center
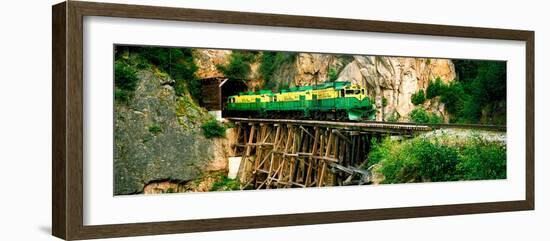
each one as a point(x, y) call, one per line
point(218, 120)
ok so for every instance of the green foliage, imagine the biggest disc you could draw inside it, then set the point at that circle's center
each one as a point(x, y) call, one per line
point(225, 184)
point(394, 117)
point(420, 115)
point(229, 125)
point(417, 160)
point(418, 97)
point(379, 150)
point(453, 97)
point(121, 95)
point(126, 81)
point(482, 160)
point(177, 62)
point(480, 84)
point(487, 88)
point(239, 65)
point(436, 162)
point(213, 128)
point(332, 74)
point(466, 70)
point(270, 62)
point(397, 165)
point(421, 160)
point(155, 129)
point(384, 101)
point(435, 88)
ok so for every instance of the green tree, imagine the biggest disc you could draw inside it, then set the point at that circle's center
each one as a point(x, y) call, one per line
point(178, 63)
point(332, 74)
point(435, 88)
point(486, 88)
point(238, 66)
point(418, 97)
point(453, 96)
point(126, 81)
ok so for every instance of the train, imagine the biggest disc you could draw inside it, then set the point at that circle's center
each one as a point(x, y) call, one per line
point(328, 101)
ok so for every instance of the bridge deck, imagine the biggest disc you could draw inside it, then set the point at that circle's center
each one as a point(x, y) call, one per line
point(374, 126)
point(379, 127)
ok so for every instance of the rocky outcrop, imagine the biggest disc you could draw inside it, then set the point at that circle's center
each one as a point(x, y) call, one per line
point(158, 138)
point(207, 59)
point(391, 81)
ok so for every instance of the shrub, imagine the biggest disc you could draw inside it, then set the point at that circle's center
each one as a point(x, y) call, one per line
point(155, 129)
point(394, 117)
point(379, 150)
point(126, 81)
point(483, 160)
point(418, 160)
point(437, 162)
point(178, 63)
point(125, 77)
point(238, 66)
point(213, 128)
point(332, 74)
point(397, 165)
point(435, 88)
point(418, 97)
point(384, 102)
point(225, 184)
point(421, 159)
point(121, 95)
point(420, 115)
point(453, 97)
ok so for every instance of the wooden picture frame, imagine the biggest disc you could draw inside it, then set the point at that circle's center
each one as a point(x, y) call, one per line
point(67, 123)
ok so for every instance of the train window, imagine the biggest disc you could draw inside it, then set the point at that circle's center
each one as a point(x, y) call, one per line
point(275, 98)
point(362, 91)
point(341, 93)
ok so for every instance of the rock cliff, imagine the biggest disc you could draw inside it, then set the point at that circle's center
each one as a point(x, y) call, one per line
point(390, 81)
point(158, 138)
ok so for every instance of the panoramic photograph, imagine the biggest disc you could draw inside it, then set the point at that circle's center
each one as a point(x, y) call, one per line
point(206, 120)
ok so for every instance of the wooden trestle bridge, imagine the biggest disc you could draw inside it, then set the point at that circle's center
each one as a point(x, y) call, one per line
point(306, 153)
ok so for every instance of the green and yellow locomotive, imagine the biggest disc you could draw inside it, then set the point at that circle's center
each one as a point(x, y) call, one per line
point(334, 100)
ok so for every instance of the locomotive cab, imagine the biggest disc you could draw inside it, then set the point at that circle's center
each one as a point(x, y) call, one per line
point(353, 91)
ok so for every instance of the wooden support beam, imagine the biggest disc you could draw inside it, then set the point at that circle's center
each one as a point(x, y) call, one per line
point(339, 134)
point(324, 163)
point(313, 152)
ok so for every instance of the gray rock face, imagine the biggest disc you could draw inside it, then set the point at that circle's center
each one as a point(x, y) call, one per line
point(158, 137)
point(396, 79)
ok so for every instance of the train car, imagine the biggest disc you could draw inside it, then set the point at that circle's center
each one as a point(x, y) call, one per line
point(334, 100)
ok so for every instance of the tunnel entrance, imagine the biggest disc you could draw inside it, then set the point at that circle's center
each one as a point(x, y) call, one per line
point(215, 92)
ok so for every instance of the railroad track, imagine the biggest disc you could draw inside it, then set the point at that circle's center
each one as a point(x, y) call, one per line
point(375, 126)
